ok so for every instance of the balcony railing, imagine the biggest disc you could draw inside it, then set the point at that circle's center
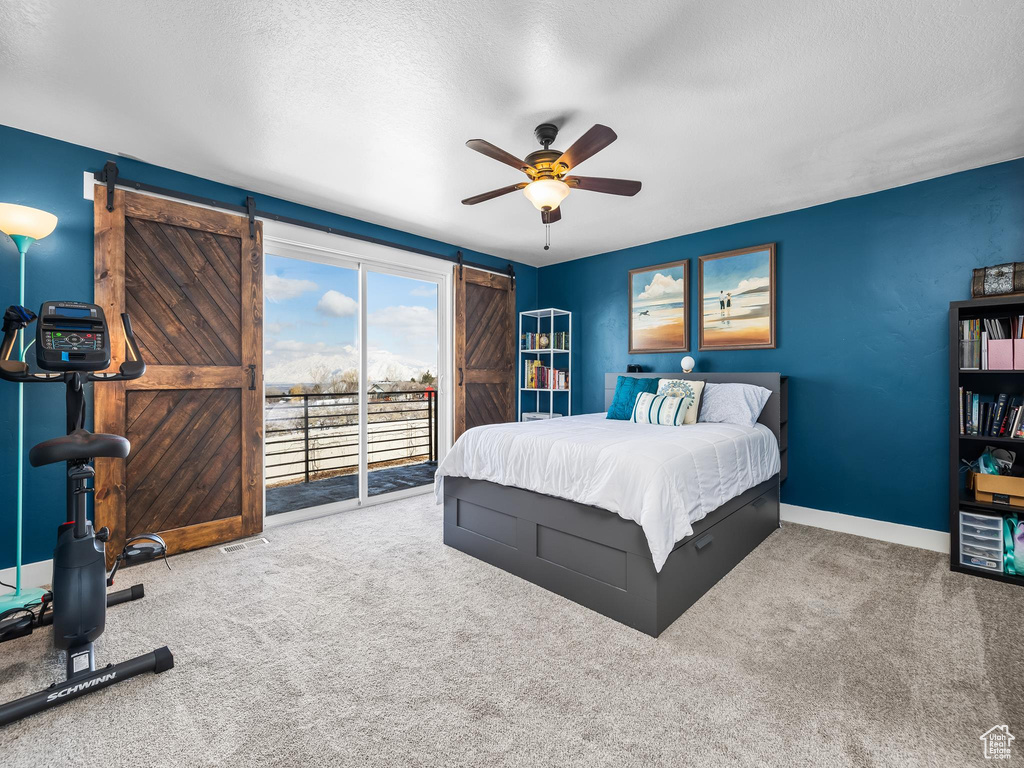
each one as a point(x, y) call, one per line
point(315, 436)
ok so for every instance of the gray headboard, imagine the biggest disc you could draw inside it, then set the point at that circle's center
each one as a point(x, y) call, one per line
point(775, 415)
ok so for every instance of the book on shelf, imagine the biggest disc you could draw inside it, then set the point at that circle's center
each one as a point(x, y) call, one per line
point(999, 415)
point(1010, 410)
point(963, 424)
point(536, 375)
point(1013, 418)
point(557, 340)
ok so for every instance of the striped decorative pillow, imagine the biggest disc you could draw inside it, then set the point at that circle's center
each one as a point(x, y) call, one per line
point(660, 409)
point(681, 388)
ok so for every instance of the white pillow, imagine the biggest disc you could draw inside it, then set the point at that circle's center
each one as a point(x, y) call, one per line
point(733, 403)
point(684, 388)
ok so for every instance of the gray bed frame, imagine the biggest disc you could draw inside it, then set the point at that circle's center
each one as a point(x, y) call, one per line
point(602, 561)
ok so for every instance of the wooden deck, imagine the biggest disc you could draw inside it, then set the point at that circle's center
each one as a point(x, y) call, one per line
point(287, 498)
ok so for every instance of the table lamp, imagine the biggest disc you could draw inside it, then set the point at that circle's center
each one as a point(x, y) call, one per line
point(24, 226)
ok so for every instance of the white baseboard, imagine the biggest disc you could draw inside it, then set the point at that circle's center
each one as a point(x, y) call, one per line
point(39, 574)
point(32, 575)
point(908, 535)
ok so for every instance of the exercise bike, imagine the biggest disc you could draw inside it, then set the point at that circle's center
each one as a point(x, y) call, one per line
point(73, 344)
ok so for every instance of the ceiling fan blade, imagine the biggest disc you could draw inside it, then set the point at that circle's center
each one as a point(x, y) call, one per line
point(550, 217)
point(587, 145)
point(608, 186)
point(492, 194)
point(497, 153)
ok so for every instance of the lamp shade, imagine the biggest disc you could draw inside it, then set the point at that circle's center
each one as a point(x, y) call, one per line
point(20, 221)
point(546, 194)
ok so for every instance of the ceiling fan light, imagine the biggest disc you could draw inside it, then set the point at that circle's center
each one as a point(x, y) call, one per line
point(546, 194)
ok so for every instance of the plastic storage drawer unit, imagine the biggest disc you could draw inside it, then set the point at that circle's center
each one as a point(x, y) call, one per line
point(981, 541)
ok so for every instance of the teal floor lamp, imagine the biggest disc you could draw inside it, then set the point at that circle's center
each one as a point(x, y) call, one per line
point(24, 226)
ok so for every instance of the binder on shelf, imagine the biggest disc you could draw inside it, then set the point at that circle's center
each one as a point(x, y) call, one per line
point(970, 345)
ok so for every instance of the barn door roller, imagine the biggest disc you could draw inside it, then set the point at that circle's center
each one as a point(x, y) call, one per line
point(250, 209)
point(109, 177)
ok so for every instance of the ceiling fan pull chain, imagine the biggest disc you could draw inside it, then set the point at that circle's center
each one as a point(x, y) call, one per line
point(547, 237)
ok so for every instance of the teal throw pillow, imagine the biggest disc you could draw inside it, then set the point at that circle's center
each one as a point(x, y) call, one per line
point(626, 390)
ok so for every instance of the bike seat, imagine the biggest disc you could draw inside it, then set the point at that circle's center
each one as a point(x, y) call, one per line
point(80, 444)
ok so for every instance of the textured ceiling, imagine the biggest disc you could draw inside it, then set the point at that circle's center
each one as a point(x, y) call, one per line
point(726, 111)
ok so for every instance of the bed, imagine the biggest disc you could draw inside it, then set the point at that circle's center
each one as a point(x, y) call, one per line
point(633, 521)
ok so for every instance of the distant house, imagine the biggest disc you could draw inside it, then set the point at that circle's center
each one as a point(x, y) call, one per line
point(398, 390)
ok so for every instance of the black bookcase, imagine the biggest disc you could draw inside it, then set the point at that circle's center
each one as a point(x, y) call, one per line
point(969, 447)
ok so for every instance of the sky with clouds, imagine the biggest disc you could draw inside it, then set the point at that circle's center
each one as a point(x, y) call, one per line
point(658, 286)
point(737, 273)
point(311, 319)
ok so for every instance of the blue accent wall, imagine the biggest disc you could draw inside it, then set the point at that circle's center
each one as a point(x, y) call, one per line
point(864, 286)
point(46, 173)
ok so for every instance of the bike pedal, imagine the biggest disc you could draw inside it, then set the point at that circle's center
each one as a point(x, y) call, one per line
point(143, 548)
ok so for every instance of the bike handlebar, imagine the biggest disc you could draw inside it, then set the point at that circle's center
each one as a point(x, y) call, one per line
point(17, 370)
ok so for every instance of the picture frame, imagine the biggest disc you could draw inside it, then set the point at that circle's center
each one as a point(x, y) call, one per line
point(659, 307)
point(737, 291)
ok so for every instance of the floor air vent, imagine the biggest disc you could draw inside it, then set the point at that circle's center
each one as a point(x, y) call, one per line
point(240, 545)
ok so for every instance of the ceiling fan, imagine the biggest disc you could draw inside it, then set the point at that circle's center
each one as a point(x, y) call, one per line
point(547, 168)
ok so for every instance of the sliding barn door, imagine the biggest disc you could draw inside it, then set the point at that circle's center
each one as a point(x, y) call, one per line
point(192, 281)
point(485, 368)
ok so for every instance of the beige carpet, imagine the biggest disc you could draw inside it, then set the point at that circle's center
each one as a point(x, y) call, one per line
point(361, 640)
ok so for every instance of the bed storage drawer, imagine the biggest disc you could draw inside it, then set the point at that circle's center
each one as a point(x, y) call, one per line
point(708, 555)
point(604, 564)
point(488, 523)
point(598, 559)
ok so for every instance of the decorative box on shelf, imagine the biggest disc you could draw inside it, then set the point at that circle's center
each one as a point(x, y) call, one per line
point(997, 489)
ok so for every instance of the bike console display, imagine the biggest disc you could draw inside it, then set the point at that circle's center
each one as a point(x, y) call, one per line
point(72, 336)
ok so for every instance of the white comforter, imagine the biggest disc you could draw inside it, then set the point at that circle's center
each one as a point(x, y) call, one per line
point(664, 478)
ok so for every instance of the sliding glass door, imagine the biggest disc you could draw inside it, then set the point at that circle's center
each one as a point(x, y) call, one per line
point(402, 356)
point(353, 407)
point(311, 381)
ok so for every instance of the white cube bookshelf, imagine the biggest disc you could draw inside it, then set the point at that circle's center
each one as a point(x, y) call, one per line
point(545, 321)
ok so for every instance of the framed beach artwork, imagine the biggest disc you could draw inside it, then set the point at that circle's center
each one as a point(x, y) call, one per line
point(657, 308)
point(737, 290)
